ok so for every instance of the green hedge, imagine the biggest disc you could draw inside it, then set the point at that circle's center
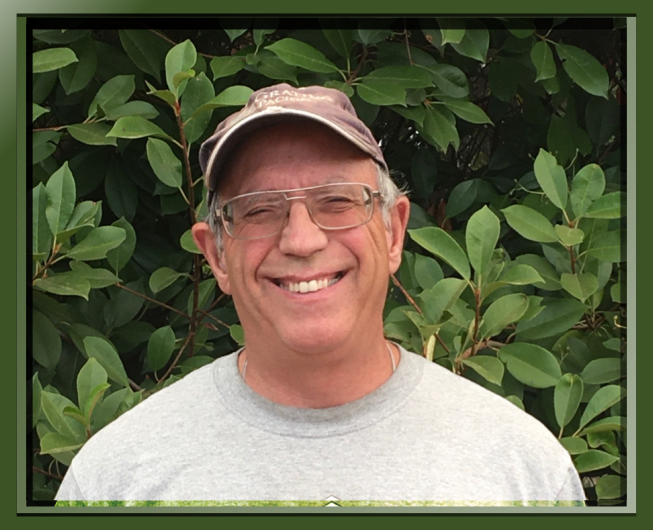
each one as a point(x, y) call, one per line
point(508, 134)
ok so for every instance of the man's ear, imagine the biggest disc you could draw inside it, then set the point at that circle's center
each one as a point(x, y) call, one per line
point(205, 241)
point(399, 221)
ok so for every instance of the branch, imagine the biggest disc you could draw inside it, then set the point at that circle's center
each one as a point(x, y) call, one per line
point(37, 470)
point(174, 363)
point(144, 296)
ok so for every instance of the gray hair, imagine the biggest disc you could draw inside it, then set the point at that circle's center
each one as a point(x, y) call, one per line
point(389, 192)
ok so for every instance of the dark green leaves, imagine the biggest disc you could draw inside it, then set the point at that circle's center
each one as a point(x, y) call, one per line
point(481, 237)
point(379, 93)
point(551, 178)
point(145, 49)
point(60, 192)
point(112, 94)
point(107, 356)
point(530, 224)
point(566, 398)
point(97, 243)
point(179, 60)
point(226, 66)
point(542, 58)
point(166, 166)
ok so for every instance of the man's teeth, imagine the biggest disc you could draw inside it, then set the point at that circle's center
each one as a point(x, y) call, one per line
point(310, 287)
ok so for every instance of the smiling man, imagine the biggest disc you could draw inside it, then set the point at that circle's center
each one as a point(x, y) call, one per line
point(305, 228)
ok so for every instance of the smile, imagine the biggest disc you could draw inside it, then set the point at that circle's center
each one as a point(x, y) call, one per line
point(309, 286)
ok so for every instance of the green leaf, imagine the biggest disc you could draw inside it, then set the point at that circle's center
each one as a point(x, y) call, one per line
point(475, 41)
point(450, 79)
point(601, 371)
point(441, 297)
point(424, 171)
point(516, 402)
point(188, 243)
point(610, 246)
point(613, 423)
point(93, 399)
point(604, 398)
point(297, 53)
point(132, 108)
point(481, 236)
point(166, 166)
point(60, 192)
point(41, 233)
point(566, 398)
point(206, 290)
point(467, 110)
point(238, 334)
point(181, 77)
point(439, 129)
point(587, 186)
point(97, 243)
point(91, 133)
point(502, 312)
point(593, 460)
point(98, 278)
point(163, 95)
point(136, 127)
point(53, 406)
point(160, 347)
point(164, 277)
point(490, 368)
point(90, 376)
point(146, 50)
point(584, 69)
point(108, 357)
point(37, 111)
point(442, 245)
point(611, 487)
point(452, 29)
point(52, 59)
point(531, 364)
point(78, 75)
point(551, 177)
point(114, 93)
point(380, 93)
point(53, 443)
point(427, 271)
point(573, 445)
point(198, 92)
point(226, 66)
point(44, 143)
point(345, 88)
point(273, 67)
point(180, 58)
point(542, 58)
point(36, 399)
point(65, 284)
point(119, 256)
point(340, 39)
point(401, 76)
point(581, 285)
point(610, 206)
point(530, 224)
point(557, 317)
point(233, 96)
point(461, 197)
point(569, 237)
point(46, 341)
point(520, 274)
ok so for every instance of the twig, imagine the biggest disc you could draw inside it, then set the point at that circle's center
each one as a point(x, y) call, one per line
point(134, 385)
point(144, 296)
point(168, 39)
point(201, 311)
point(174, 363)
point(37, 470)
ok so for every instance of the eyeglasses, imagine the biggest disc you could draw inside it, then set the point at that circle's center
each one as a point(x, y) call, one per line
point(330, 206)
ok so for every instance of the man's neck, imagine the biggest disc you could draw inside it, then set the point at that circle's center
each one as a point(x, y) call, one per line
point(327, 379)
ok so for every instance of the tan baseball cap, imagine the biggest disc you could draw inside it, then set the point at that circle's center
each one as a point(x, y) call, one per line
point(281, 103)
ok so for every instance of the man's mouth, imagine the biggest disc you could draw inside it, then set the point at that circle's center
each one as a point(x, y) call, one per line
point(311, 286)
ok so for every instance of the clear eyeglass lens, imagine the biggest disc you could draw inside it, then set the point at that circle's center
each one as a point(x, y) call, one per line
point(332, 207)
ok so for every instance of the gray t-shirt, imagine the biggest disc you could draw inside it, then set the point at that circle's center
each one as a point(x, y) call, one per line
point(424, 435)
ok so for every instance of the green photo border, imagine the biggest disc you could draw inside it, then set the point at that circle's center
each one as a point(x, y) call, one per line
point(15, 274)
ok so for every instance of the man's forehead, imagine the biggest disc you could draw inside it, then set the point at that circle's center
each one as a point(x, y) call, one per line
point(259, 156)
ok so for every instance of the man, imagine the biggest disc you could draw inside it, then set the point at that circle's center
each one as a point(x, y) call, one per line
point(305, 228)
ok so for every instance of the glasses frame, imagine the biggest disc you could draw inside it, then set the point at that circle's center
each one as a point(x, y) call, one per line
point(374, 194)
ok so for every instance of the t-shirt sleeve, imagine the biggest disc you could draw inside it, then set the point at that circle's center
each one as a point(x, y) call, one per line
point(69, 489)
point(572, 492)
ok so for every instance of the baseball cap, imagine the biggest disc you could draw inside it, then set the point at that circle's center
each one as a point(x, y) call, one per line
point(279, 103)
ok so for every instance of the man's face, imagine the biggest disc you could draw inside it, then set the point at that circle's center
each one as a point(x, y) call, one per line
point(258, 273)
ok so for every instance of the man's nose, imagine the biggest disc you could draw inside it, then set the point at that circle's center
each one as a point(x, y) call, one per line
point(301, 236)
